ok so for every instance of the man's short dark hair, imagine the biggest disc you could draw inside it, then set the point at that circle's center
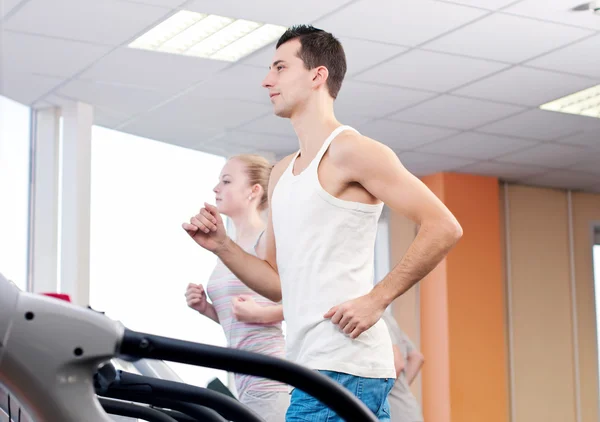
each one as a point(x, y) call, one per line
point(319, 48)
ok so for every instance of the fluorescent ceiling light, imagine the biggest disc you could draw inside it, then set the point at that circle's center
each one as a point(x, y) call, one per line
point(583, 103)
point(208, 36)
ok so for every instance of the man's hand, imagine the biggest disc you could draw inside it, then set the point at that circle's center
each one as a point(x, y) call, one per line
point(207, 228)
point(196, 298)
point(245, 309)
point(357, 315)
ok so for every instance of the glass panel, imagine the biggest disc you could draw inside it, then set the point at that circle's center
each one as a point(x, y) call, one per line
point(141, 259)
point(15, 119)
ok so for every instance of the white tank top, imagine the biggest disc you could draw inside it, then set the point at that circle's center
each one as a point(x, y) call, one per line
point(325, 252)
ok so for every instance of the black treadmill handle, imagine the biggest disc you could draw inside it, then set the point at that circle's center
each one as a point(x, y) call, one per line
point(194, 412)
point(132, 410)
point(226, 406)
point(319, 386)
point(178, 416)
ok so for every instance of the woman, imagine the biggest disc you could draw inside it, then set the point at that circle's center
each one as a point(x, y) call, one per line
point(250, 321)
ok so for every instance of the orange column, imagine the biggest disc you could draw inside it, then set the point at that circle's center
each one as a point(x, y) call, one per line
point(465, 377)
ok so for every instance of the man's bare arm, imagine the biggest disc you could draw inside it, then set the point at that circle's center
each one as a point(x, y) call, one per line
point(259, 274)
point(254, 272)
point(377, 168)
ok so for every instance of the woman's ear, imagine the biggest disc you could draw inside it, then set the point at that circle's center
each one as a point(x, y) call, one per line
point(257, 190)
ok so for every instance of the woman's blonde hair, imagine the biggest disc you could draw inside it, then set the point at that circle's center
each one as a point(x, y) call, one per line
point(258, 169)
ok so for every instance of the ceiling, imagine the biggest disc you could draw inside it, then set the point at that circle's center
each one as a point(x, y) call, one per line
point(449, 85)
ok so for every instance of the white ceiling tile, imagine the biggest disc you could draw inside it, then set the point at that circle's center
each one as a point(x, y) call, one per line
point(376, 100)
point(483, 4)
point(422, 164)
point(109, 22)
point(229, 149)
point(430, 71)
point(594, 189)
point(522, 38)
point(590, 165)
point(187, 122)
point(239, 82)
point(456, 112)
point(399, 136)
point(476, 145)
point(360, 54)
point(259, 142)
point(38, 105)
point(547, 155)
point(47, 56)
point(419, 20)
point(347, 117)
point(403, 136)
point(185, 134)
point(122, 99)
point(208, 147)
point(190, 110)
point(108, 118)
point(57, 100)
point(542, 125)
point(261, 58)
point(521, 85)
point(589, 138)
point(578, 58)
point(556, 11)
point(147, 69)
point(269, 11)
point(164, 3)
point(563, 179)
point(504, 171)
point(25, 88)
point(270, 124)
point(6, 6)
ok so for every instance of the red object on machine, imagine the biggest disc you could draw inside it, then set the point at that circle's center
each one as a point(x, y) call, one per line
point(60, 296)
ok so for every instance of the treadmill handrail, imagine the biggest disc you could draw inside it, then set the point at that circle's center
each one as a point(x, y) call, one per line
point(109, 382)
point(132, 410)
point(194, 411)
point(323, 388)
point(179, 416)
point(74, 341)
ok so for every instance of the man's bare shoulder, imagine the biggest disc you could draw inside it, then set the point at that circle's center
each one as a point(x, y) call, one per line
point(351, 149)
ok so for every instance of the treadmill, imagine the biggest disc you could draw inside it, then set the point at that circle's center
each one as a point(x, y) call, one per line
point(59, 361)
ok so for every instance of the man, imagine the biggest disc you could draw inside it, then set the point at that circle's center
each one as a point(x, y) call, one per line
point(404, 406)
point(324, 203)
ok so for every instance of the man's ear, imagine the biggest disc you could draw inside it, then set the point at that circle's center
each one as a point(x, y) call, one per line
point(320, 75)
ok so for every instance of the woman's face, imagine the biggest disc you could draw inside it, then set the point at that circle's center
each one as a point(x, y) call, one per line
point(232, 193)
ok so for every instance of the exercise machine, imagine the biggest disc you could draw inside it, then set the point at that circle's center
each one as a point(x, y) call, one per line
point(53, 355)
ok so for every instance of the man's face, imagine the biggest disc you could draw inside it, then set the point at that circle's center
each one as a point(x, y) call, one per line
point(288, 81)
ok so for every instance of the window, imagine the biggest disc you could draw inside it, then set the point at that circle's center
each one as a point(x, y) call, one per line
point(15, 121)
point(141, 260)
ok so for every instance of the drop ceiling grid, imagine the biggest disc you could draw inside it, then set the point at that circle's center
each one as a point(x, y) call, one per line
point(471, 15)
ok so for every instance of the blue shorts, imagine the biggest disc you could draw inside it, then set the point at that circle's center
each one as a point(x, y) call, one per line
point(373, 392)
